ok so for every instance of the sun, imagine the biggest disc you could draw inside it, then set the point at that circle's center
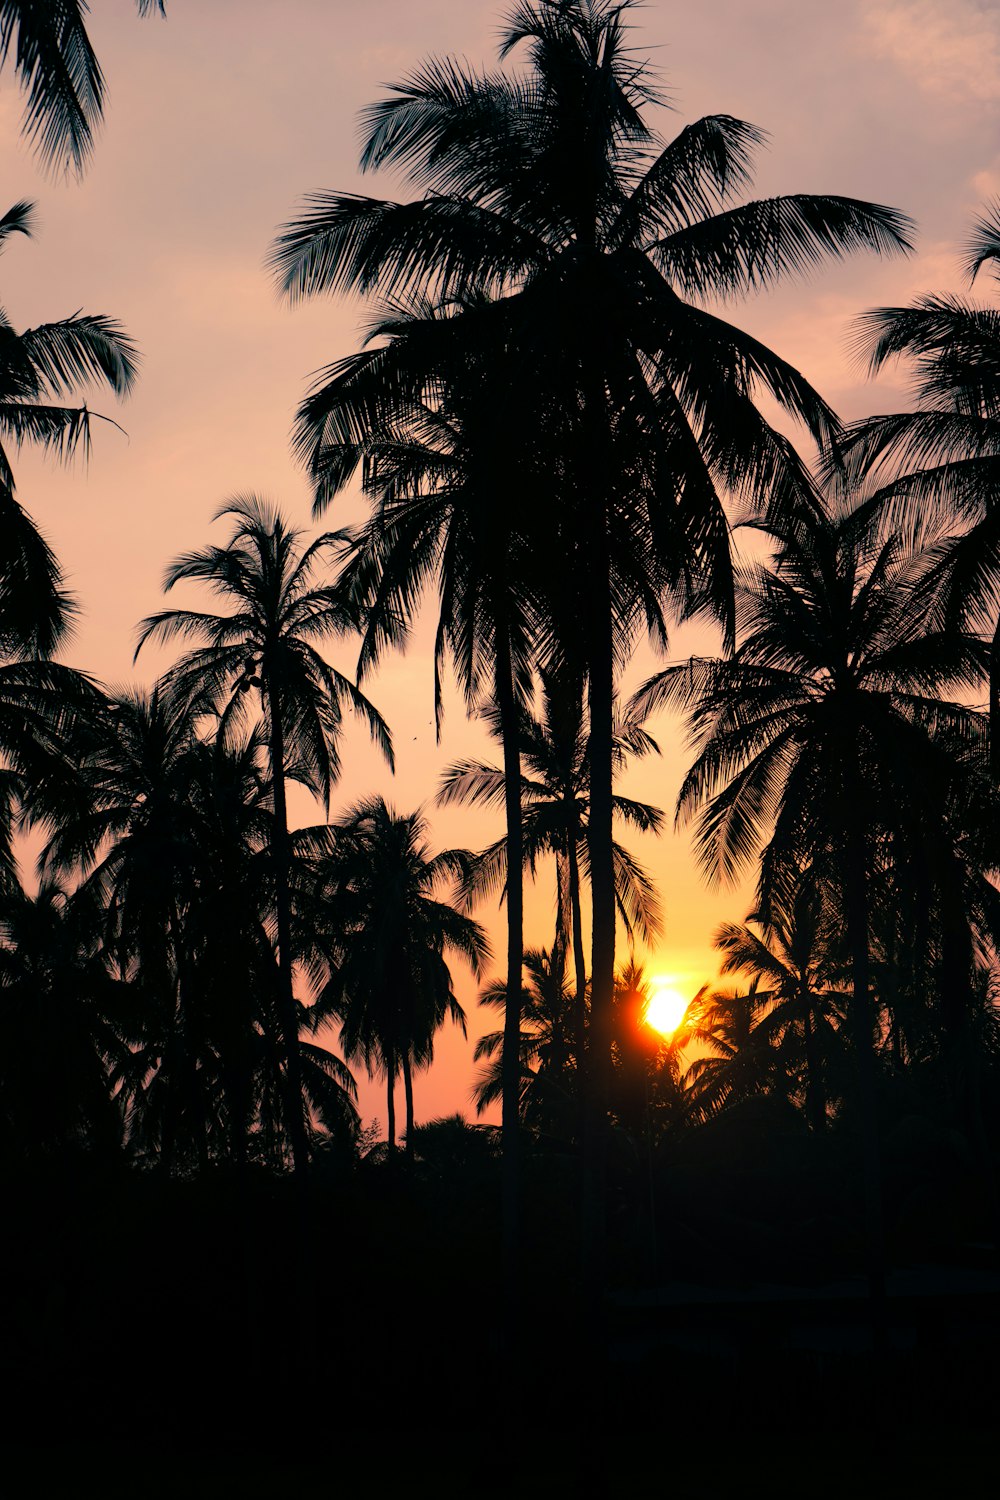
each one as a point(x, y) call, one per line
point(666, 1009)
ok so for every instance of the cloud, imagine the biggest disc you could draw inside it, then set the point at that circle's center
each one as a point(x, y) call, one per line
point(948, 49)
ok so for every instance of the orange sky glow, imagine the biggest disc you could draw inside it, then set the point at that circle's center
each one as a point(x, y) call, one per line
point(224, 115)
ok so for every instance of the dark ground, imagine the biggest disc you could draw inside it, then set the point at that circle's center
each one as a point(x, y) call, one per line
point(226, 1335)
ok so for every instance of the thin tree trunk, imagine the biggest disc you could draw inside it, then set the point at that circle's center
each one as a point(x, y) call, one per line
point(815, 1100)
point(856, 910)
point(579, 958)
point(390, 1071)
point(511, 1068)
point(292, 1073)
point(408, 1092)
point(196, 1093)
point(563, 933)
point(580, 996)
point(172, 1054)
point(602, 884)
point(995, 704)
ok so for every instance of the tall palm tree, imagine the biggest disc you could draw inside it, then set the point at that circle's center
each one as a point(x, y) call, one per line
point(171, 849)
point(943, 459)
point(555, 807)
point(550, 191)
point(266, 644)
point(63, 1027)
point(130, 839)
point(39, 369)
point(386, 936)
point(57, 67)
point(825, 735)
point(791, 959)
point(739, 1053)
point(548, 1045)
point(453, 508)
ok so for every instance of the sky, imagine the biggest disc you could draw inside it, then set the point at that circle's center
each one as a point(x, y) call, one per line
point(223, 116)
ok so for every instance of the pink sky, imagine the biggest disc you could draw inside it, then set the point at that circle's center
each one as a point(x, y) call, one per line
point(223, 116)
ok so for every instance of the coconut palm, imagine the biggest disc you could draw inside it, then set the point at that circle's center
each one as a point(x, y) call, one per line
point(131, 838)
point(829, 731)
point(266, 645)
point(59, 71)
point(739, 1054)
point(791, 956)
point(555, 804)
point(649, 1098)
point(550, 191)
point(386, 936)
point(63, 1028)
point(39, 369)
point(171, 845)
point(944, 458)
point(453, 510)
point(548, 1045)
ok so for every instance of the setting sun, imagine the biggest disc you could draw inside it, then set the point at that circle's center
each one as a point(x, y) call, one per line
point(665, 1010)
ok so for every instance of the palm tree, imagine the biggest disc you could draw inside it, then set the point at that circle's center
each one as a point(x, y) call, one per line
point(130, 838)
point(39, 369)
point(452, 511)
point(57, 66)
point(551, 192)
point(171, 846)
point(548, 1045)
point(829, 730)
point(791, 960)
point(266, 644)
point(63, 1028)
point(555, 806)
point(944, 458)
point(736, 1060)
point(386, 935)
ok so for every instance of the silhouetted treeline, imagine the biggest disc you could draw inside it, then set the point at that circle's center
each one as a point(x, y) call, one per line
point(560, 443)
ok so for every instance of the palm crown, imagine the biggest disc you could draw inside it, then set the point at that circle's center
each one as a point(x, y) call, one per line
point(39, 369)
point(266, 642)
point(548, 191)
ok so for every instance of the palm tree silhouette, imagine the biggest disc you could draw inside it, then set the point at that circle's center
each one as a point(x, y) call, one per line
point(386, 935)
point(59, 70)
point(791, 961)
point(266, 644)
point(555, 803)
point(551, 191)
point(131, 837)
point(453, 510)
point(39, 369)
point(827, 730)
point(549, 1072)
point(940, 464)
point(63, 1028)
point(171, 844)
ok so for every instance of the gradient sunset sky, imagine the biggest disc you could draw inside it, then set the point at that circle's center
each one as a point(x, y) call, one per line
point(219, 120)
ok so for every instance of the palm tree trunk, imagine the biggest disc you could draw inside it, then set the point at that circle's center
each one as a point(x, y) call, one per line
point(292, 1073)
point(563, 933)
point(408, 1093)
point(511, 1073)
point(815, 1102)
point(390, 1084)
point(185, 993)
point(580, 996)
point(855, 875)
point(995, 704)
point(602, 878)
point(172, 1053)
point(579, 957)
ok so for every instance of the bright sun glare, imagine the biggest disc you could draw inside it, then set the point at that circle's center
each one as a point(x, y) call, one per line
point(665, 1010)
